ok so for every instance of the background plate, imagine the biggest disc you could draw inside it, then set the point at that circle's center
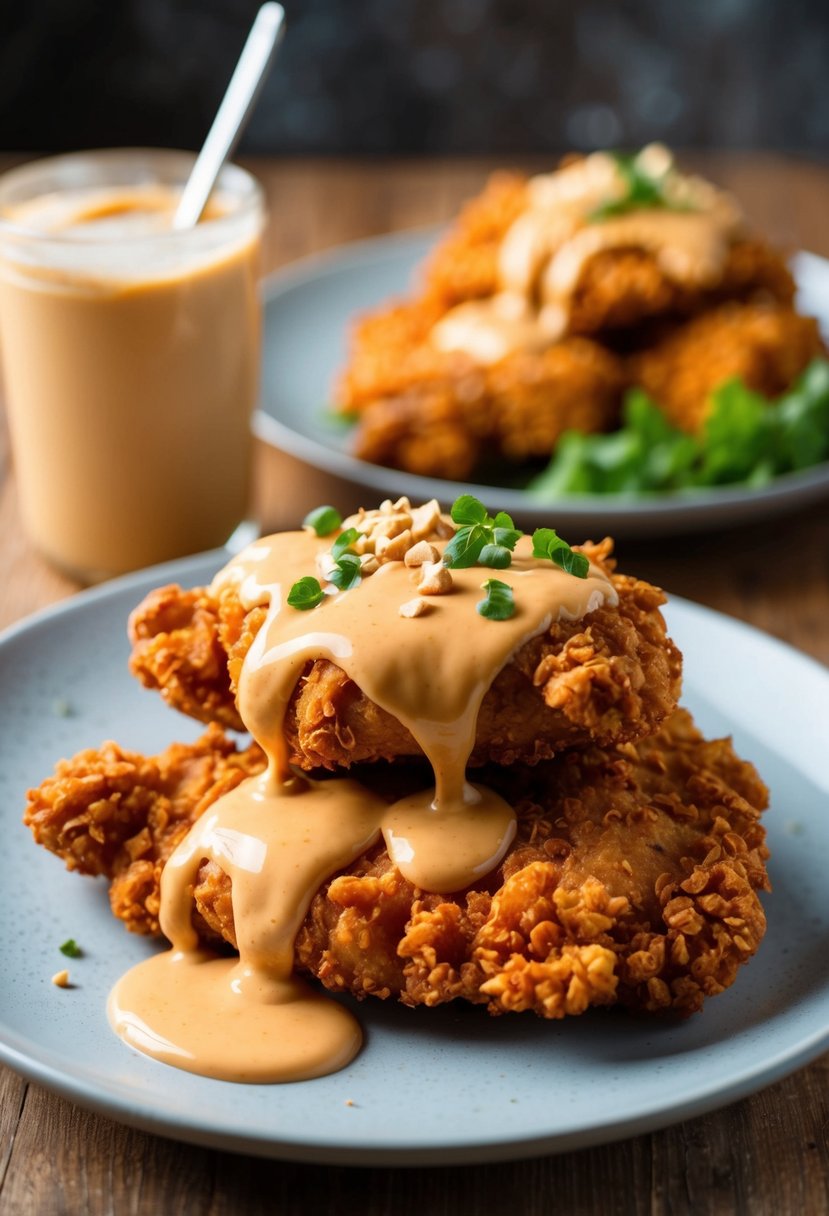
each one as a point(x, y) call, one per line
point(309, 309)
point(430, 1086)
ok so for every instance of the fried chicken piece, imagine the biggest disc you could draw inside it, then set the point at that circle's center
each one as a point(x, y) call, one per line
point(442, 424)
point(612, 676)
point(620, 288)
point(464, 265)
point(765, 345)
point(632, 879)
point(430, 428)
point(114, 812)
point(176, 649)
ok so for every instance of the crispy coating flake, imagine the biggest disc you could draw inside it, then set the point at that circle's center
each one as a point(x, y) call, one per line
point(610, 677)
point(633, 879)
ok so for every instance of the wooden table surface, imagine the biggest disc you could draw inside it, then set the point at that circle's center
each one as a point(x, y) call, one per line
point(767, 1154)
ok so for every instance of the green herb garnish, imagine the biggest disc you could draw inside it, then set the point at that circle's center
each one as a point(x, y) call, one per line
point(481, 539)
point(547, 543)
point(746, 440)
point(497, 557)
point(324, 520)
point(306, 593)
point(71, 948)
point(344, 542)
point(641, 189)
point(499, 604)
point(346, 573)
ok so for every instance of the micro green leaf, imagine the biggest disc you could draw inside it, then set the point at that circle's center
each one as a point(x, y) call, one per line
point(324, 520)
point(71, 948)
point(499, 604)
point(506, 537)
point(547, 543)
point(465, 547)
point(640, 189)
point(479, 532)
point(468, 510)
point(343, 542)
point(306, 593)
point(346, 574)
point(498, 557)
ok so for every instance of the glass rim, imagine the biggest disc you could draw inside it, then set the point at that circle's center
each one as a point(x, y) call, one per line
point(248, 191)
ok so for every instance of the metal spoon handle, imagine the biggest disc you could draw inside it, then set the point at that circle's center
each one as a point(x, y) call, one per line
point(233, 113)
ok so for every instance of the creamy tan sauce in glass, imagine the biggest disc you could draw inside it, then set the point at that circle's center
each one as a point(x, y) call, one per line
point(130, 357)
point(280, 836)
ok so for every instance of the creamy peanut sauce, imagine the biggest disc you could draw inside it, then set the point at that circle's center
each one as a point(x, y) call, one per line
point(124, 346)
point(544, 252)
point(279, 836)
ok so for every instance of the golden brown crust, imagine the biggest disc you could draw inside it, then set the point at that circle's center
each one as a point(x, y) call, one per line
point(622, 288)
point(611, 677)
point(765, 345)
point(633, 878)
point(443, 421)
point(114, 812)
point(176, 649)
point(463, 266)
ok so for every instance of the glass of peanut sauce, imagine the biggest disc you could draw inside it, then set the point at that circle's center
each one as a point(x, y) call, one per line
point(130, 355)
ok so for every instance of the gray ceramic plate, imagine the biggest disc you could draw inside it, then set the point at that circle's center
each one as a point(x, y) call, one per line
point(309, 308)
point(430, 1086)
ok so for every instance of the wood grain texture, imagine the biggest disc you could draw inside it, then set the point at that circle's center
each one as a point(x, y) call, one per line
point(768, 1155)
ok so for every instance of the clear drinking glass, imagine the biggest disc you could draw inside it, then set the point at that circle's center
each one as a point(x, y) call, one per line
point(130, 355)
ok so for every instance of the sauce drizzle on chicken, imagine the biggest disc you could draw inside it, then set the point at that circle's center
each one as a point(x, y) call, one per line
point(279, 836)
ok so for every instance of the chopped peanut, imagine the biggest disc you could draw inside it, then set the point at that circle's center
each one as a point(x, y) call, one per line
point(393, 548)
point(397, 519)
point(425, 519)
point(61, 979)
point(435, 579)
point(414, 608)
point(420, 553)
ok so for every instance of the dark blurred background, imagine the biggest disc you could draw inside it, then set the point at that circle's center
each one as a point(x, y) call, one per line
point(409, 76)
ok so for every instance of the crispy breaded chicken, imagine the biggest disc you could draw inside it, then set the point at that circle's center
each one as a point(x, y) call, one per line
point(442, 413)
point(618, 288)
point(610, 677)
point(765, 345)
point(114, 812)
point(632, 880)
point(444, 417)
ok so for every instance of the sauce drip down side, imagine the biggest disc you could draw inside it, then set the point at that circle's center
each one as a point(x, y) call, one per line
point(280, 836)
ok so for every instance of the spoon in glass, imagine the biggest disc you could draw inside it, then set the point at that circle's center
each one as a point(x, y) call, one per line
point(233, 113)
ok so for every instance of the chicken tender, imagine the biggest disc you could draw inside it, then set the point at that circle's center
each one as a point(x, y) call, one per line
point(444, 423)
point(766, 345)
point(610, 677)
point(117, 813)
point(633, 878)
